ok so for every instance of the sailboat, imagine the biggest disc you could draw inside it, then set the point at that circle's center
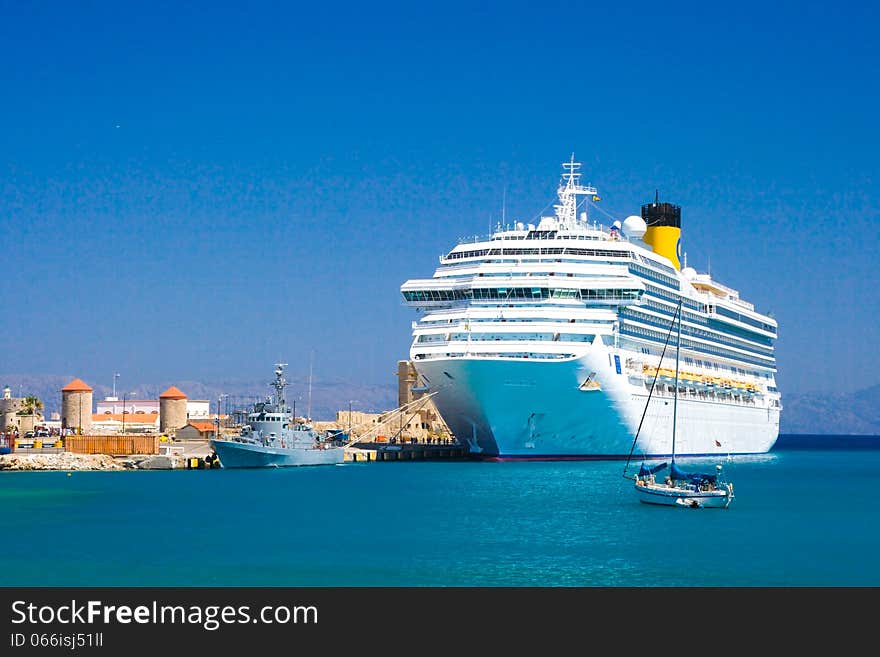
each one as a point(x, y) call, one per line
point(693, 490)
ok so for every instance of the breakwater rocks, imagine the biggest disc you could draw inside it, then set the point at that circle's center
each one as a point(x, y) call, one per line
point(154, 462)
point(70, 461)
point(60, 461)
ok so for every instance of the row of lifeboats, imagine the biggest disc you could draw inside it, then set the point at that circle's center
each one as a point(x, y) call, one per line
point(685, 377)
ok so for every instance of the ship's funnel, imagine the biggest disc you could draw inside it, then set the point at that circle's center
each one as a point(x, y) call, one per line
point(664, 229)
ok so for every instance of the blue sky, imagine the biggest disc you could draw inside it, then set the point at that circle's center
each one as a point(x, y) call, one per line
point(197, 192)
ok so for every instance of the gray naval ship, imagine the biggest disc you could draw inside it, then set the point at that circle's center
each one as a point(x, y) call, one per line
point(272, 438)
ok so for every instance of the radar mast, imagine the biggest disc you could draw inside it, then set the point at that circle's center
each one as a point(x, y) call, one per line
point(568, 191)
point(279, 384)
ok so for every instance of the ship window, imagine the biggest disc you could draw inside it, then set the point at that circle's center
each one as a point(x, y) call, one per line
point(576, 337)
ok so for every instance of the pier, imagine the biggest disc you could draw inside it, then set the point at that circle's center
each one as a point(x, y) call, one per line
point(364, 452)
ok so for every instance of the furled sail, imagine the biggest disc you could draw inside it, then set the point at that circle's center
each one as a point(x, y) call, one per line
point(698, 478)
point(646, 470)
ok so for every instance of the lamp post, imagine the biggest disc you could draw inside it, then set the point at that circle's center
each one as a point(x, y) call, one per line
point(124, 395)
point(349, 416)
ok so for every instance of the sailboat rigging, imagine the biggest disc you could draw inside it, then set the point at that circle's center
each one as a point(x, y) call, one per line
point(680, 488)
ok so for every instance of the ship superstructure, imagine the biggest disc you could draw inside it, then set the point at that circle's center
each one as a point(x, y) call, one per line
point(543, 340)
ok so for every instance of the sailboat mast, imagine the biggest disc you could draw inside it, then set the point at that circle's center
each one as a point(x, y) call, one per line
point(675, 398)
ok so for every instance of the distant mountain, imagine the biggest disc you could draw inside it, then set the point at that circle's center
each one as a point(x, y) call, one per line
point(47, 387)
point(832, 413)
point(327, 396)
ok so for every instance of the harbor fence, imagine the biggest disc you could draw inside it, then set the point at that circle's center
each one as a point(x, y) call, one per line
point(112, 445)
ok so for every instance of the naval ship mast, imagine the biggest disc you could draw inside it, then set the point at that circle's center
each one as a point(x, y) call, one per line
point(280, 383)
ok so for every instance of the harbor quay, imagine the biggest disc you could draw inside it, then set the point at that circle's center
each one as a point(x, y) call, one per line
point(408, 452)
point(121, 452)
point(175, 432)
point(198, 455)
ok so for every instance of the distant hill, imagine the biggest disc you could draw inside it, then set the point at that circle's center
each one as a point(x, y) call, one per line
point(327, 396)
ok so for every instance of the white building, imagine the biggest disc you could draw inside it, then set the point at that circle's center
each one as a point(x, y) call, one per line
point(196, 409)
point(114, 406)
point(116, 423)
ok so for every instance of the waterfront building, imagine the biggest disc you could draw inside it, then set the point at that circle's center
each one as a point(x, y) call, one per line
point(196, 430)
point(116, 423)
point(9, 407)
point(196, 409)
point(423, 421)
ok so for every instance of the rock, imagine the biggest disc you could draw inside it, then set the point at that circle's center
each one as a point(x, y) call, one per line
point(156, 463)
point(59, 461)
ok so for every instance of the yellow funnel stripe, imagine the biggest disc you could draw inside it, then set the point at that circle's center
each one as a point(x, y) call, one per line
point(665, 241)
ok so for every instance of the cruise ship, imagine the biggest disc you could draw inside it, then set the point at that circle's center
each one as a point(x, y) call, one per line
point(546, 340)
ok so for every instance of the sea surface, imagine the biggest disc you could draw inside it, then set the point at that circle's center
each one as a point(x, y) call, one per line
point(803, 515)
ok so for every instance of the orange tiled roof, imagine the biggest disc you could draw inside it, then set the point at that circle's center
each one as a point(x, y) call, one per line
point(130, 418)
point(77, 385)
point(172, 393)
point(203, 426)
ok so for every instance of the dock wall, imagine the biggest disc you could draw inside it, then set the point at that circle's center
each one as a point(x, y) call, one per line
point(413, 452)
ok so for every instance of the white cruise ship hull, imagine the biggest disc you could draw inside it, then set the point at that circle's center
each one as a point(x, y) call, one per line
point(518, 409)
point(233, 454)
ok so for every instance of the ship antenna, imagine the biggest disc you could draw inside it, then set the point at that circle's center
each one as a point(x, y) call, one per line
point(504, 205)
point(656, 197)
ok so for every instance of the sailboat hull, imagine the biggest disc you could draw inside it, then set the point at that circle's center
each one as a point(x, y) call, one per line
point(684, 497)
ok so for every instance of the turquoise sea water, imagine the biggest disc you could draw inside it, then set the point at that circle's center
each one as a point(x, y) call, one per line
point(802, 517)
